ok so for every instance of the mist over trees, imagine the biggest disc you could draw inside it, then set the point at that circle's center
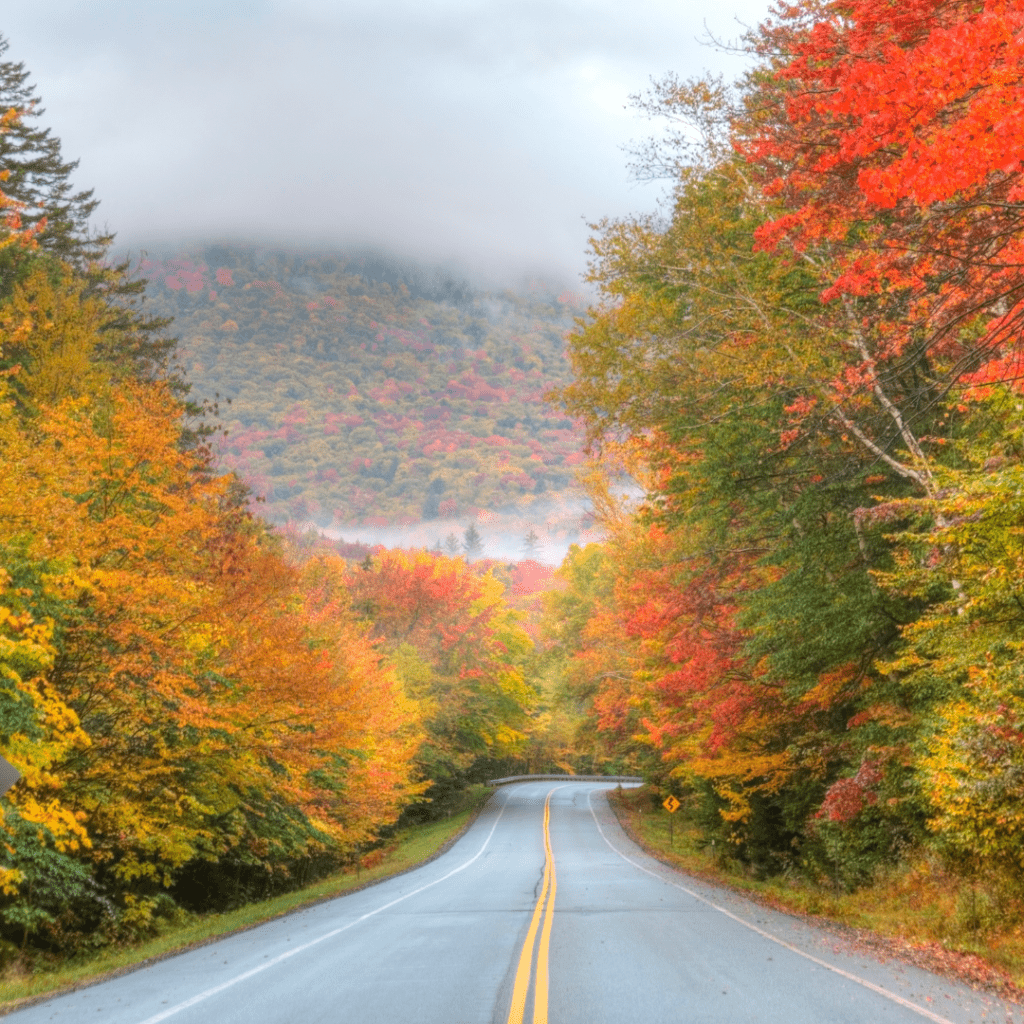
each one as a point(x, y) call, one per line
point(368, 393)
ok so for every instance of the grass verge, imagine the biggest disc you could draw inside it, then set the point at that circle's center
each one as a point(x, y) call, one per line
point(917, 912)
point(410, 849)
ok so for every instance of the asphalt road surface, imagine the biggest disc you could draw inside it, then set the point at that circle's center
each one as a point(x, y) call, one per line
point(543, 911)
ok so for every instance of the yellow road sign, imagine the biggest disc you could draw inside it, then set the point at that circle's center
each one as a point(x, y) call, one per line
point(671, 804)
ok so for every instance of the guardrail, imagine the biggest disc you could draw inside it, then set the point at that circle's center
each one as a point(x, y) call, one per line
point(567, 778)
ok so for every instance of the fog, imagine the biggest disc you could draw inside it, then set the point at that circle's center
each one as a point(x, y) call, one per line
point(556, 525)
point(476, 136)
point(482, 135)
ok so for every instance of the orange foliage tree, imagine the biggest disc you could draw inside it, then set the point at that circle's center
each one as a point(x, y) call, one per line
point(891, 139)
point(178, 693)
point(460, 650)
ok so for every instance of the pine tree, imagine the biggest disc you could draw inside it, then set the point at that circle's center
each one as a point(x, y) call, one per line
point(472, 543)
point(531, 543)
point(38, 179)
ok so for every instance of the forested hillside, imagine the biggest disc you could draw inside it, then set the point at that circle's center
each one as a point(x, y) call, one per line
point(366, 392)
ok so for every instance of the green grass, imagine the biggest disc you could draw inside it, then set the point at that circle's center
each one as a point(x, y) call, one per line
point(410, 848)
point(916, 904)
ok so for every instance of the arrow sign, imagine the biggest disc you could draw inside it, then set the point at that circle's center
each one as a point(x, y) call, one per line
point(9, 775)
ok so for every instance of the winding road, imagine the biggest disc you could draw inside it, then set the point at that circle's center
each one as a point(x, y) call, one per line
point(543, 911)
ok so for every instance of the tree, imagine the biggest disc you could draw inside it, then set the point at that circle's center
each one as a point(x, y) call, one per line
point(531, 543)
point(592, 661)
point(39, 179)
point(745, 613)
point(472, 543)
point(892, 138)
point(50, 333)
point(460, 651)
point(960, 658)
point(176, 693)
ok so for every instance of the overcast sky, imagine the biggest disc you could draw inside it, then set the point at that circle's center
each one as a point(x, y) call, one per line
point(480, 133)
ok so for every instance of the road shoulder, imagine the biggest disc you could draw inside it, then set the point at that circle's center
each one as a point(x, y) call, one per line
point(425, 844)
point(964, 967)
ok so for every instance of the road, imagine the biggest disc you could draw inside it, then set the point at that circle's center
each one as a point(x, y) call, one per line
point(543, 911)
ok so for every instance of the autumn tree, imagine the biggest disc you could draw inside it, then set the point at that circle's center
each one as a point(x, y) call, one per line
point(896, 164)
point(899, 155)
point(715, 363)
point(38, 181)
point(39, 178)
point(460, 651)
point(183, 702)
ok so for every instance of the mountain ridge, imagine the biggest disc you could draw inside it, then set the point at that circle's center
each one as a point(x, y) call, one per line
point(369, 393)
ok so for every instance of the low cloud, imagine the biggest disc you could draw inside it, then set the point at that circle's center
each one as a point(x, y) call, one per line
point(503, 534)
point(475, 133)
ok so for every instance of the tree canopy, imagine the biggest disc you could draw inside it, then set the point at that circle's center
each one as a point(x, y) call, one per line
point(812, 364)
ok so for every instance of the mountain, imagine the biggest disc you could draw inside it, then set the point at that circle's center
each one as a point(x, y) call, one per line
point(366, 392)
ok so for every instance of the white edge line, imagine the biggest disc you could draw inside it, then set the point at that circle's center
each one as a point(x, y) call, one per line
point(768, 935)
point(201, 996)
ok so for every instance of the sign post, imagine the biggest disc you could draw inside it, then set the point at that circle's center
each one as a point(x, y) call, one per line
point(9, 775)
point(671, 804)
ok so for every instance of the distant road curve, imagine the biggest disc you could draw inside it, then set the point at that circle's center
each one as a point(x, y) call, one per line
point(544, 911)
point(631, 779)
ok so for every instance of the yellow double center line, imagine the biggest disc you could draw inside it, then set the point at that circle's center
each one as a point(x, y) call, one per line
point(546, 907)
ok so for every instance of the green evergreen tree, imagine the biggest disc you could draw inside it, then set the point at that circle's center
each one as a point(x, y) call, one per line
point(38, 178)
point(472, 543)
